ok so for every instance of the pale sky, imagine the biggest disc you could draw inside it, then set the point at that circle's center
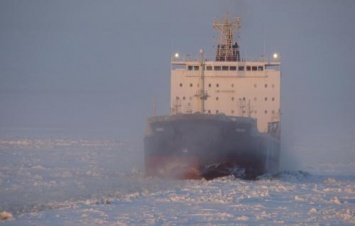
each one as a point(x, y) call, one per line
point(89, 64)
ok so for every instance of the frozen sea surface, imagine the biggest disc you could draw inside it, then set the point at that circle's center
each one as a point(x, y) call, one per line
point(57, 180)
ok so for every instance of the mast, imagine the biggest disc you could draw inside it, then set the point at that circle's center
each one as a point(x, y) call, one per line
point(226, 49)
point(201, 94)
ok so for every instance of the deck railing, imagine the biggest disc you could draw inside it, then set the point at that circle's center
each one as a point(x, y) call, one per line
point(188, 58)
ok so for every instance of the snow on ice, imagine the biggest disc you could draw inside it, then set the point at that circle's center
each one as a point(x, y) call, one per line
point(76, 181)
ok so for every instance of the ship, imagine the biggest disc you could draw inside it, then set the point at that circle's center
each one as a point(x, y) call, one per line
point(225, 116)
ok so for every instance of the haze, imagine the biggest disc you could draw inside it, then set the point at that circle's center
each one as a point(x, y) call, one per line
point(96, 65)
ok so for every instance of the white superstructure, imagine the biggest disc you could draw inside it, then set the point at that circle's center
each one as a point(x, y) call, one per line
point(228, 84)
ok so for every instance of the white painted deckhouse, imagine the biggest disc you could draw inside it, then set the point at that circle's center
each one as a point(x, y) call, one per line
point(229, 84)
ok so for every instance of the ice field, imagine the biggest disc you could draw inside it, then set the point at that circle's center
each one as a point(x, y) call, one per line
point(58, 180)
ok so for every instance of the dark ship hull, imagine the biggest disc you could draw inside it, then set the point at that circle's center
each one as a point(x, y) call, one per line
point(193, 146)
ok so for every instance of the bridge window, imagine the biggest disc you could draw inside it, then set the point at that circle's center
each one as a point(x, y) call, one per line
point(209, 68)
point(233, 68)
point(189, 68)
point(217, 68)
point(254, 68)
point(241, 68)
point(224, 68)
point(196, 68)
point(248, 68)
point(260, 68)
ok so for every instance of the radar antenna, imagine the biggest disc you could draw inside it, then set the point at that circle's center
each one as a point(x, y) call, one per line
point(226, 49)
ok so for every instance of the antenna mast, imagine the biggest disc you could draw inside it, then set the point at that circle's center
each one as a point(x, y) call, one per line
point(226, 49)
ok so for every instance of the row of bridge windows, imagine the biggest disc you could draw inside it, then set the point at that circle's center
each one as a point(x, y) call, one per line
point(232, 85)
point(226, 68)
point(232, 98)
